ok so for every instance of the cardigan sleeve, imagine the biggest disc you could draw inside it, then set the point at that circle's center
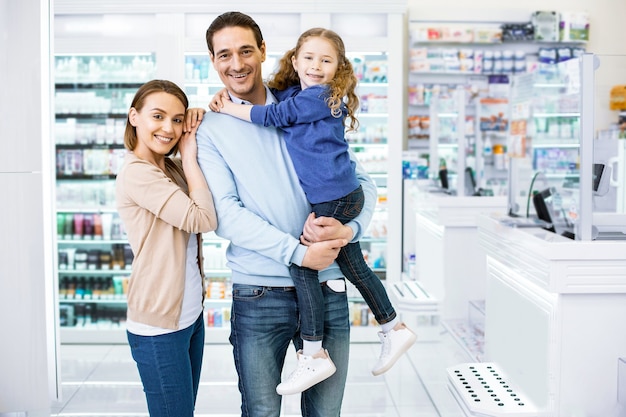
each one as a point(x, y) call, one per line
point(149, 188)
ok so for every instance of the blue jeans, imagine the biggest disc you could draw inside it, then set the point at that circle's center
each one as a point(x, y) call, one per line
point(352, 265)
point(264, 321)
point(169, 366)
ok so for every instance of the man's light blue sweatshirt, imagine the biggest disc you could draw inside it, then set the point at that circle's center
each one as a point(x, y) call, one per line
point(260, 205)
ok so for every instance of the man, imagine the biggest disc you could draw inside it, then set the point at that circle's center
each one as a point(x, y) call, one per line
point(262, 209)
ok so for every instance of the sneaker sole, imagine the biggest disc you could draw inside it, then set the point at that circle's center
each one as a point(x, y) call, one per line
point(407, 344)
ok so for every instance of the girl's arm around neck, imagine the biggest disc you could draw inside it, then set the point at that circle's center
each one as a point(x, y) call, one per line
point(240, 111)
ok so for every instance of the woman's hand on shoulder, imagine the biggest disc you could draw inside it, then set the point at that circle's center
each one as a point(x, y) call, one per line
point(193, 117)
point(187, 145)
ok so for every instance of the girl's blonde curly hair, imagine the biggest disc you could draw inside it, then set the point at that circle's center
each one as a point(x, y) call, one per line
point(343, 85)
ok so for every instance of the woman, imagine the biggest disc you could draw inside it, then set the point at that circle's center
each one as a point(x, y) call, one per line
point(165, 205)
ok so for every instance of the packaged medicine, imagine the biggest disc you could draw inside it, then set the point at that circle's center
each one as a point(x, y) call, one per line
point(546, 25)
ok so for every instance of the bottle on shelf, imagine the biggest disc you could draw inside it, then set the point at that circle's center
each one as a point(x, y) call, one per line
point(488, 150)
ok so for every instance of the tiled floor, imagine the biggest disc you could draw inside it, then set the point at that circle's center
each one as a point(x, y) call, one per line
point(101, 380)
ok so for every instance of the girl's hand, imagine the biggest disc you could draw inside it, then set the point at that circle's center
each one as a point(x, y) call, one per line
point(193, 117)
point(217, 102)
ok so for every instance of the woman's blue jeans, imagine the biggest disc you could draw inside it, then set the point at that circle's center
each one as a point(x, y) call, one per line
point(353, 267)
point(264, 321)
point(169, 366)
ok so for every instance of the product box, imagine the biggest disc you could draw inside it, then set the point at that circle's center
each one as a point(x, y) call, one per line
point(574, 26)
point(618, 98)
point(546, 25)
point(488, 35)
point(493, 114)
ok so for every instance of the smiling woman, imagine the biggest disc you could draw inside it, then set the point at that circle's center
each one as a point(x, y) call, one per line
point(158, 126)
point(166, 205)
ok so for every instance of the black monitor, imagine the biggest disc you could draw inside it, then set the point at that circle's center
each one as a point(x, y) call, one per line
point(597, 175)
point(470, 182)
point(443, 178)
point(543, 205)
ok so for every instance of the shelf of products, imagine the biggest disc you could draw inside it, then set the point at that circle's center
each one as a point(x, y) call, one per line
point(481, 58)
point(92, 96)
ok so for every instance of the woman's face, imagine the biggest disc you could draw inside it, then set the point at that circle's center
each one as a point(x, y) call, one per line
point(159, 125)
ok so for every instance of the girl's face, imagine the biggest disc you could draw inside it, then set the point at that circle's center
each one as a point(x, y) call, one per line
point(316, 62)
point(159, 125)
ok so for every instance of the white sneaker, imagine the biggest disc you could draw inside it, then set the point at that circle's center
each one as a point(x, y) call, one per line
point(310, 371)
point(395, 343)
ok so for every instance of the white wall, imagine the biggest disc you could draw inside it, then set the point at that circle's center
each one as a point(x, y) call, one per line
point(24, 265)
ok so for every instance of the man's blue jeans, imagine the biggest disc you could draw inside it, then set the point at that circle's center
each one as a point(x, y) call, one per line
point(264, 321)
point(353, 266)
point(169, 366)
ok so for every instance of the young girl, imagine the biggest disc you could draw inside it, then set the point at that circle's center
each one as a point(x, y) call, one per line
point(315, 85)
point(165, 205)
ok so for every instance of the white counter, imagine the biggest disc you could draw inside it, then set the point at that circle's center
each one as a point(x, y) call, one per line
point(449, 260)
point(556, 316)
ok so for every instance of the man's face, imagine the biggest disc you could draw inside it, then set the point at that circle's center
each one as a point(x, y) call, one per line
point(238, 61)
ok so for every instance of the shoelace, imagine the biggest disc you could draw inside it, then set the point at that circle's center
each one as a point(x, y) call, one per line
point(386, 346)
point(302, 365)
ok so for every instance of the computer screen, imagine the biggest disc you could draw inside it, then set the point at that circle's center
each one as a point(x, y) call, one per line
point(543, 207)
point(470, 181)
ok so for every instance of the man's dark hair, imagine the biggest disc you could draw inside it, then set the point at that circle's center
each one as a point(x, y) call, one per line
point(230, 19)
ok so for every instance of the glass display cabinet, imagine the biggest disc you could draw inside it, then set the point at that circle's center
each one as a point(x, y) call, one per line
point(567, 161)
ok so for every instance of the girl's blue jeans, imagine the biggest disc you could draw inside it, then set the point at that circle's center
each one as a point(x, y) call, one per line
point(353, 267)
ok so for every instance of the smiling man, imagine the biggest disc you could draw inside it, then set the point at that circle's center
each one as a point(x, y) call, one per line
point(261, 209)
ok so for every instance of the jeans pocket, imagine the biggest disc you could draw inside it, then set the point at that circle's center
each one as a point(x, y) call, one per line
point(247, 292)
point(336, 285)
